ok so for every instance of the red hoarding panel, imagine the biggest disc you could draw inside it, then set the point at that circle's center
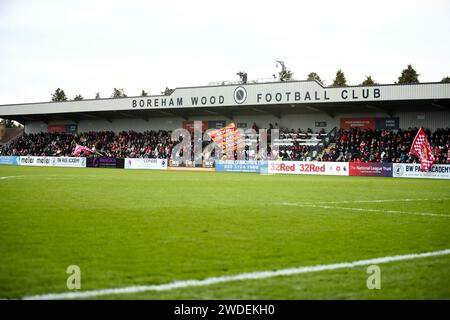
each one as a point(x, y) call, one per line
point(189, 125)
point(61, 128)
point(371, 169)
point(361, 123)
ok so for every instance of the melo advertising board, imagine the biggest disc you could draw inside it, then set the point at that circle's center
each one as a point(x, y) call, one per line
point(72, 162)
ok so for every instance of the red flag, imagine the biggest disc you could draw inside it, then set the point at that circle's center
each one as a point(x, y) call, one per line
point(78, 149)
point(448, 154)
point(422, 150)
point(229, 138)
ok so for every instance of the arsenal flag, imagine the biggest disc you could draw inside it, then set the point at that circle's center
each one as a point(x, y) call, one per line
point(78, 149)
point(422, 150)
point(228, 138)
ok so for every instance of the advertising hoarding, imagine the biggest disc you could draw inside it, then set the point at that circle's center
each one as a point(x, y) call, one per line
point(412, 170)
point(309, 167)
point(145, 163)
point(255, 166)
point(371, 169)
point(10, 160)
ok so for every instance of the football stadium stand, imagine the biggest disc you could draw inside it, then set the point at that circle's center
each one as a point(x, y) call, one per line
point(367, 145)
point(353, 145)
point(351, 124)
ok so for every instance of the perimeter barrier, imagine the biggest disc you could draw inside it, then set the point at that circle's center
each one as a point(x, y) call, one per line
point(373, 169)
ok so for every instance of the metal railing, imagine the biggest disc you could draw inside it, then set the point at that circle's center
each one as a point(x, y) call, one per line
point(228, 82)
point(318, 148)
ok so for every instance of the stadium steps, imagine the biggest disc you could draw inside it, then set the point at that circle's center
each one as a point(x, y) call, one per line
point(327, 149)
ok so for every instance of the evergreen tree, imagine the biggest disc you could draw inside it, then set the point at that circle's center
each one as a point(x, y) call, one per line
point(314, 76)
point(339, 80)
point(409, 75)
point(369, 81)
point(59, 95)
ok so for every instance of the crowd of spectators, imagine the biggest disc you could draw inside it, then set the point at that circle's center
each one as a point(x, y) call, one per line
point(125, 144)
point(367, 145)
point(355, 145)
point(292, 144)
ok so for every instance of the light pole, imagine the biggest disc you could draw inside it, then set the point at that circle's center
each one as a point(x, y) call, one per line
point(284, 74)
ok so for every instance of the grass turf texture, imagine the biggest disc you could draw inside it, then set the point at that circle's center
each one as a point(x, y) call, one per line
point(126, 227)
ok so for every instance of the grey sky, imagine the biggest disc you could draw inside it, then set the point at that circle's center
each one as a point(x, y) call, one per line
point(87, 46)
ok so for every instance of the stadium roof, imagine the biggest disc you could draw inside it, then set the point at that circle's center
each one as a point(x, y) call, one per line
point(275, 98)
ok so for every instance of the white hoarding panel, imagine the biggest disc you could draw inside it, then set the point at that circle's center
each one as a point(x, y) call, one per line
point(306, 167)
point(78, 162)
point(144, 163)
point(412, 170)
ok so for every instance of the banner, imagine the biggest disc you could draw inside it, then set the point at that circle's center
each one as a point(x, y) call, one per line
point(360, 123)
point(217, 124)
point(191, 164)
point(255, 166)
point(388, 123)
point(412, 170)
point(189, 125)
point(145, 163)
point(176, 163)
point(79, 149)
point(371, 169)
point(422, 150)
point(53, 162)
point(370, 123)
point(68, 162)
point(102, 162)
point(10, 160)
point(56, 128)
point(306, 167)
point(228, 138)
point(208, 163)
point(36, 161)
point(62, 128)
point(71, 128)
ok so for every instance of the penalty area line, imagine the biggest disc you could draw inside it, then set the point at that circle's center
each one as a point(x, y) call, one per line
point(231, 278)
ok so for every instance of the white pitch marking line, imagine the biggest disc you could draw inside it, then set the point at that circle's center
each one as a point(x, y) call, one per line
point(238, 277)
point(10, 177)
point(366, 210)
point(378, 201)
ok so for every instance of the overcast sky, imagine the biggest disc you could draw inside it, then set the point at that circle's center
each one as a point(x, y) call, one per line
point(88, 46)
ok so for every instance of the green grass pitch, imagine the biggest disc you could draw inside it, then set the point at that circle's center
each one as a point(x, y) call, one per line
point(133, 227)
